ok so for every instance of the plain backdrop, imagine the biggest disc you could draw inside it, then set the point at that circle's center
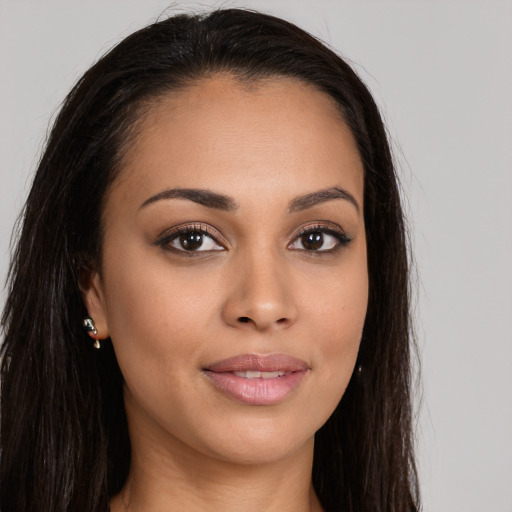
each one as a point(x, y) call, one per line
point(441, 72)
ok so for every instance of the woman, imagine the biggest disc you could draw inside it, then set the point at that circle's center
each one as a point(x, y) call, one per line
point(217, 206)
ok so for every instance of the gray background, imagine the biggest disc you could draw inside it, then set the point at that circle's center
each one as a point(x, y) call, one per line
point(441, 71)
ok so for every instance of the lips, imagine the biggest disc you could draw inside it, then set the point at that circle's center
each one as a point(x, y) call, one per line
point(257, 379)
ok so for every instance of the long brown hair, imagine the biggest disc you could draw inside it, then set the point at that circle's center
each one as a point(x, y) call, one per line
point(64, 438)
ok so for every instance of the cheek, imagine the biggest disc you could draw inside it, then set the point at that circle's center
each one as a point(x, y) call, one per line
point(150, 307)
point(337, 312)
point(157, 321)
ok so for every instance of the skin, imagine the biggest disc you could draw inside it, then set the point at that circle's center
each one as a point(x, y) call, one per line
point(171, 313)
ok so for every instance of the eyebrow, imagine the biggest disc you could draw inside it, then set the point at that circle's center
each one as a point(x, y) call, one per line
point(321, 196)
point(218, 201)
point(201, 196)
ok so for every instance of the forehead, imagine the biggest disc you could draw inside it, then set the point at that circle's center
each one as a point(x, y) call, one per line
point(222, 133)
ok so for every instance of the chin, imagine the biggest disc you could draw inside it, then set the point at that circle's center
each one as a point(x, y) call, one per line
point(257, 442)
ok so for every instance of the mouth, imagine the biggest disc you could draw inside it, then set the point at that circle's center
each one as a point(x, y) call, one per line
point(254, 379)
point(252, 374)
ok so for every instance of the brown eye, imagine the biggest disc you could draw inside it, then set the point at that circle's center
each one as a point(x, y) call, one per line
point(319, 239)
point(312, 241)
point(191, 241)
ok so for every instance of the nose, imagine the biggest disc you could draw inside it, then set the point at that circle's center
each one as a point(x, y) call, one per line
point(260, 294)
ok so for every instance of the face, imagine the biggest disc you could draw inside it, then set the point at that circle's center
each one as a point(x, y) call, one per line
point(233, 280)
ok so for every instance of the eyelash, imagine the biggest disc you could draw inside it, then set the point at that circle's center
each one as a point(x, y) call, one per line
point(169, 236)
point(325, 228)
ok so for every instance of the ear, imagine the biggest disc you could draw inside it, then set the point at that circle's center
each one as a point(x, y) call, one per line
point(92, 288)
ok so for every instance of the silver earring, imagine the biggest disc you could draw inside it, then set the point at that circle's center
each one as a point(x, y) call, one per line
point(90, 328)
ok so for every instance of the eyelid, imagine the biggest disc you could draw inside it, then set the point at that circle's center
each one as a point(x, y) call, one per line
point(168, 234)
point(321, 225)
point(327, 227)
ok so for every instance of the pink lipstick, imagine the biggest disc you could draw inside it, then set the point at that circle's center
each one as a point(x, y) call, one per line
point(257, 379)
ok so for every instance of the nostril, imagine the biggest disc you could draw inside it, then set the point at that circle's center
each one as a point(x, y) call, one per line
point(282, 321)
point(244, 319)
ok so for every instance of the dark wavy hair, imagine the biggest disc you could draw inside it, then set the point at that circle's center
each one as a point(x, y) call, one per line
point(64, 437)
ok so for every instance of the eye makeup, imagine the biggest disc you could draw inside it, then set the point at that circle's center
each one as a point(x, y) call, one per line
point(321, 237)
point(192, 239)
